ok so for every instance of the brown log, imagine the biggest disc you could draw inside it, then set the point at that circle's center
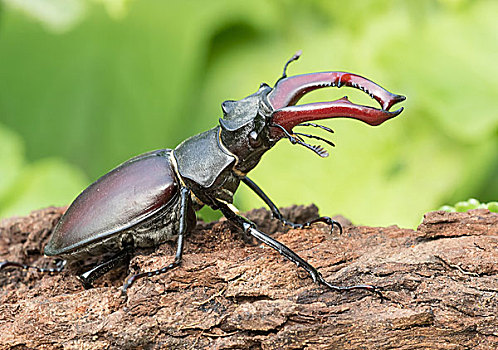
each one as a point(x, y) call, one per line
point(440, 283)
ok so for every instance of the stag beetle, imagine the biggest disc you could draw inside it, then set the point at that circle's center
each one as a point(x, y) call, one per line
point(152, 198)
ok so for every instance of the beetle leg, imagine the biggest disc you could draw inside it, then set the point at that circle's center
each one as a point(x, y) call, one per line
point(90, 276)
point(60, 266)
point(278, 215)
point(327, 220)
point(182, 230)
point(250, 228)
point(274, 209)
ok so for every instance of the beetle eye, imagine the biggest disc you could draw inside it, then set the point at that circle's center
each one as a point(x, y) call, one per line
point(254, 139)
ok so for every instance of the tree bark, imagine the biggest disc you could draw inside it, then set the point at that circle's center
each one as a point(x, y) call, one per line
point(440, 284)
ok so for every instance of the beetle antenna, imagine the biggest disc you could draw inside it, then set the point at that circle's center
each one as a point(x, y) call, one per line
point(295, 57)
point(317, 126)
point(298, 140)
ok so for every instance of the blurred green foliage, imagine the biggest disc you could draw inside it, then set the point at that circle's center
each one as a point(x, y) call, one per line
point(25, 186)
point(470, 204)
point(93, 83)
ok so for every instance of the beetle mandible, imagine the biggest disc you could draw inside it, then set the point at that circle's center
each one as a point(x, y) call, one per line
point(152, 198)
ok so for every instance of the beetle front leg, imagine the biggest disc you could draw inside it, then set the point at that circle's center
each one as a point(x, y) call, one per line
point(182, 230)
point(250, 228)
point(278, 215)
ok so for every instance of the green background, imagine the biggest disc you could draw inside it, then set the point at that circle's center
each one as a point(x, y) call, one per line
point(85, 85)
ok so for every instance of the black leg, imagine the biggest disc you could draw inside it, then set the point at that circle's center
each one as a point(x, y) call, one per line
point(182, 228)
point(60, 266)
point(90, 276)
point(250, 228)
point(278, 215)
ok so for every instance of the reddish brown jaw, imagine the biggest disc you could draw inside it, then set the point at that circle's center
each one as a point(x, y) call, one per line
point(289, 91)
point(289, 117)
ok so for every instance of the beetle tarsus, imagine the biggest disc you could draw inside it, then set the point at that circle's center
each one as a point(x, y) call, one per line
point(327, 220)
point(60, 264)
point(367, 287)
point(130, 281)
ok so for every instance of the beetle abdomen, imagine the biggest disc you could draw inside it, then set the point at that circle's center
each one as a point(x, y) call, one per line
point(129, 196)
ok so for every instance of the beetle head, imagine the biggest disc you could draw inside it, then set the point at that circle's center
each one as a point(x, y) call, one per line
point(244, 128)
point(254, 124)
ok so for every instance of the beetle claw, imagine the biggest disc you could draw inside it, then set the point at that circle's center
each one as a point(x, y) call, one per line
point(327, 220)
point(84, 281)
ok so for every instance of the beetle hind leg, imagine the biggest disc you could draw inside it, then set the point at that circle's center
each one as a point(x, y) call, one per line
point(60, 264)
point(87, 278)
